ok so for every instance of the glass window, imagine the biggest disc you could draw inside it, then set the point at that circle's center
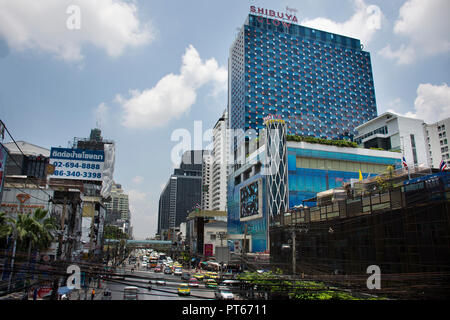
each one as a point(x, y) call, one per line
point(321, 164)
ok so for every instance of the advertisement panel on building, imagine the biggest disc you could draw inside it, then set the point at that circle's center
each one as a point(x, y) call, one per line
point(208, 251)
point(250, 201)
point(77, 164)
point(25, 200)
point(3, 155)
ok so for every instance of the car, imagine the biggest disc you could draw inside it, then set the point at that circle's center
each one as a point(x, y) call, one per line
point(223, 293)
point(178, 272)
point(167, 271)
point(231, 283)
point(192, 282)
point(158, 281)
point(186, 276)
point(144, 264)
point(157, 269)
point(210, 283)
point(183, 290)
point(198, 276)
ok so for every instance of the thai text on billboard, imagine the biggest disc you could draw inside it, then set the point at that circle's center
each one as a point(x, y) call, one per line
point(77, 164)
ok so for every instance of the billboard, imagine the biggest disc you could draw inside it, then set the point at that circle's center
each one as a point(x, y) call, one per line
point(208, 250)
point(77, 164)
point(3, 155)
point(250, 202)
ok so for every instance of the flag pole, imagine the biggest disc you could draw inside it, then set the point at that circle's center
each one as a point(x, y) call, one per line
point(403, 156)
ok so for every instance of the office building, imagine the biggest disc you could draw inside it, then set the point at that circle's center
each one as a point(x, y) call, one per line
point(181, 193)
point(393, 132)
point(437, 142)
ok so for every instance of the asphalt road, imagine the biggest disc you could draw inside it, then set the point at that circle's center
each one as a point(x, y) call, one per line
point(158, 292)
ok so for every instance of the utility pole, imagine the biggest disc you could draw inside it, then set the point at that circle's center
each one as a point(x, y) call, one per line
point(59, 251)
point(293, 251)
point(244, 248)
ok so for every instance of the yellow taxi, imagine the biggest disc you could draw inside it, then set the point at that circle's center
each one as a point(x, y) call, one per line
point(198, 276)
point(184, 290)
point(213, 275)
point(211, 283)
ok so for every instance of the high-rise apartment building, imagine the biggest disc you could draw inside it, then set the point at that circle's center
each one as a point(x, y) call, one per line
point(119, 202)
point(220, 170)
point(207, 169)
point(320, 83)
point(437, 144)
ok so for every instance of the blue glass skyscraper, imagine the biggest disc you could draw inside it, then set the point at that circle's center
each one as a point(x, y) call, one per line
point(320, 83)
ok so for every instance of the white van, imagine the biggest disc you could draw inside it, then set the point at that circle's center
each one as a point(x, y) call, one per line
point(130, 293)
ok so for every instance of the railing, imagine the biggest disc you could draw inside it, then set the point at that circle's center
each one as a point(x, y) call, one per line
point(396, 198)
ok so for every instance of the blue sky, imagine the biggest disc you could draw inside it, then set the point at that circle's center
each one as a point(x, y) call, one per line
point(142, 69)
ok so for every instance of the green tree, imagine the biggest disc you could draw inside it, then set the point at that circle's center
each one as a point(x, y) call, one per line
point(34, 231)
point(5, 227)
point(277, 286)
point(114, 232)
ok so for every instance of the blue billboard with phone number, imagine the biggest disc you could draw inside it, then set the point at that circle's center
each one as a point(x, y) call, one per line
point(77, 164)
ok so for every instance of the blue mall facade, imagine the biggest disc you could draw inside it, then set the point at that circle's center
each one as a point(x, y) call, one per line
point(312, 168)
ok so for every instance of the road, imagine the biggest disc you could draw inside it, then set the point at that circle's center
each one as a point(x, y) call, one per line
point(158, 292)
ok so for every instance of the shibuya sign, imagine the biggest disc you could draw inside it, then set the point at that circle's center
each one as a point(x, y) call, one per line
point(272, 117)
point(287, 18)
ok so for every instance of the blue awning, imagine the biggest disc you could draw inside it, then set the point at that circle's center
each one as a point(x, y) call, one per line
point(64, 290)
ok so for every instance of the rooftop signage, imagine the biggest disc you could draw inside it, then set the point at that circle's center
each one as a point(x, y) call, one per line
point(272, 117)
point(286, 17)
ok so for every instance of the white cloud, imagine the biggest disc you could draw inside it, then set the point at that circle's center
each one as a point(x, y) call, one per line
point(174, 94)
point(403, 56)
point(425, 25)
point(137, 179)
point(111, 25)
point(432, 103)
point(101, 114)
point(362, 25)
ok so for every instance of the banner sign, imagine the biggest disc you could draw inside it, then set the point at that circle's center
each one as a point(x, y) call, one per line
point(77, 164)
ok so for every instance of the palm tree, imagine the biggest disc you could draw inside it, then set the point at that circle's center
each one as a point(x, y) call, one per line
point(34, 230)
point(30, 231)
point(5, 228)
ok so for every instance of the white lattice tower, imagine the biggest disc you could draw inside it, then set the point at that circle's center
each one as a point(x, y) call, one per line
point(276, 167)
